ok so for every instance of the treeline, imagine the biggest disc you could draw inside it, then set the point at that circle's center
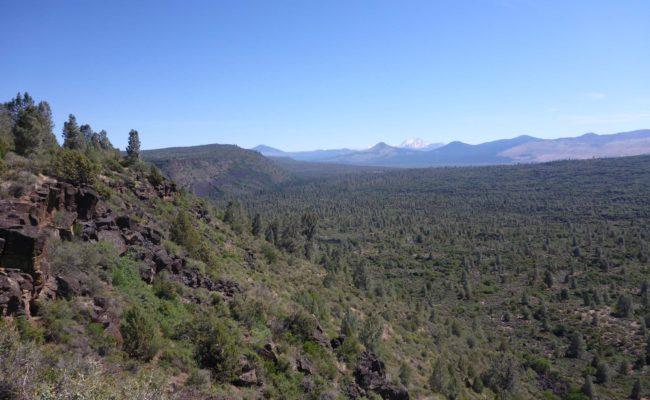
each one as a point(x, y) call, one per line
point(27, 130)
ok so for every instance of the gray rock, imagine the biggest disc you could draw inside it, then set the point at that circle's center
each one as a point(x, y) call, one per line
point(115, 238)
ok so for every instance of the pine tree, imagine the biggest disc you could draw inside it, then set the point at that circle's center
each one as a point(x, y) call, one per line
point(309, 223)
point(360, 277)
point(576, 346)
point(548, 279)
point(27, 131)
point(133, 148)
point(636, 390)
point(183, 232)
point(371, 331)
point(349, 324)
point(72, 138)
point(624, 306)
point(602, 373)
point(18, 104)
point(104, 143)
point(257, 225)
point(405, 373)
point(87, 133)
point(588, 388)
point(47, 125)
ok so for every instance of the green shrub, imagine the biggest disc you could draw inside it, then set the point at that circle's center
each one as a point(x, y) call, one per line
point(269, 254)
point(319, 358)
point(178, 357)
point(313, 303)
point(114, 165)
point(73, 166)
point(285, 384)
point(249, 310)
point(576, 346)
point(164, 288)
point(155, 177)
point(540, 365)
point(199, 378)
point(139, 333)
point(75, 257)
point(349, 324)
point(104, 190)
point(20, 182)
point(301, 325)
point(602, 373)
point(98, 340)
point(575, 393)
point(58, 317)
point(371, 331)
point(502, 374)
point(28, 331)
point(442, 380)
point(349, 351)
point(624, 307)
point(183, 233)
point(217, 347)
point(406, 373)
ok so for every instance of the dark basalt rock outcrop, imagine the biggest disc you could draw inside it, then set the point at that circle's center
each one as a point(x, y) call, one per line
point(268, 353)
point(370, 374)
point(248, 376)
point(67, 286)
point(337, 342)
point(26, 225)
point(15, 292)
point(303, 365)
point(22, 247)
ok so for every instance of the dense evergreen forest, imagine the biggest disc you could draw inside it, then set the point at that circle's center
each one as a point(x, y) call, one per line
point(509, 282)
point(529, 279)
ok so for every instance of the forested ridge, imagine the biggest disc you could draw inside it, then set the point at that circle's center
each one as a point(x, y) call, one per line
point(527, 281)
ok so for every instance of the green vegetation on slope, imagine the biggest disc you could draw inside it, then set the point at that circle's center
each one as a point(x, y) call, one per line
point(216, 170)
point(143, 291)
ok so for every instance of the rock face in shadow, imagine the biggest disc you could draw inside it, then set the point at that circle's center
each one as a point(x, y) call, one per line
point(52, 209)
point(27, 223)
point(15, 292)
point(370, 375)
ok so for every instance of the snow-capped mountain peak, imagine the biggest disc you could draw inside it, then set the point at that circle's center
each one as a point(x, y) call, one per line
point(414, 143)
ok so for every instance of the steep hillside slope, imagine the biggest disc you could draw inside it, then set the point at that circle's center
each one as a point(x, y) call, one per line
point(139, 291)
point(116, 285)
point(216, 170)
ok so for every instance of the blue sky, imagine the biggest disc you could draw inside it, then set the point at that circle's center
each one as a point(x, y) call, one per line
point(328, 74)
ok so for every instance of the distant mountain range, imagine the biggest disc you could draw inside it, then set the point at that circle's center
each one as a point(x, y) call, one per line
point(219, 171)
point(522, 149)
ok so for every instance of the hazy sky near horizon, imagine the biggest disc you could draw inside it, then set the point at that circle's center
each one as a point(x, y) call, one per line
point(301, 75)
